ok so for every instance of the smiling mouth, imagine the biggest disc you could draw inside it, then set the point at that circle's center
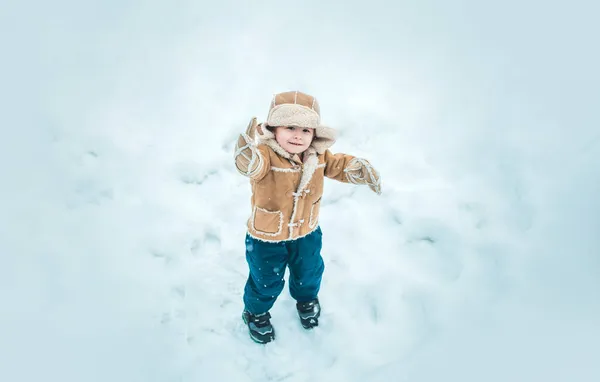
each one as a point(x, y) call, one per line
point(295, 144)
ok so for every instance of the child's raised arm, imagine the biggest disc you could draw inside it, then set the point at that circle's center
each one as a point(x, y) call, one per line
point(349, 169)
point(250, 160)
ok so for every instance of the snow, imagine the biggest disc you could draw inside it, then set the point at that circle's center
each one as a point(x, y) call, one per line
point(122, 230)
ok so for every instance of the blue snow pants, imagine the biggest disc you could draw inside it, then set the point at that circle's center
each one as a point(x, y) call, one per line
point(267, 263)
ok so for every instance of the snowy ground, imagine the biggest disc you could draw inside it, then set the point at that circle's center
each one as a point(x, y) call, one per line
point(122, 230)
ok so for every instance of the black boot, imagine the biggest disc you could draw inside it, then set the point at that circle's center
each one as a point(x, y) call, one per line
point(260, 327)
point(309, 313)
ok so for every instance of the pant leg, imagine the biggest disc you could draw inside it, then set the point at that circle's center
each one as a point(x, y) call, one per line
point(266, 262)
point(306, 266)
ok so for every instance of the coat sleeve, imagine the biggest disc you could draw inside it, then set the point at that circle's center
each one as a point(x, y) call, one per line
point(335, 165)
point(349, 169)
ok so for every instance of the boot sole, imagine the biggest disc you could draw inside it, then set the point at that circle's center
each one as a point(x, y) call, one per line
point(306, 324)
point(309, 326)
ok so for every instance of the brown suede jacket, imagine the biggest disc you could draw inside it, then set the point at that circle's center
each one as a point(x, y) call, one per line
point(287, 189)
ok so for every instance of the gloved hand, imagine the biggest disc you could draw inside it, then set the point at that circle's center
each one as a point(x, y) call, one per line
point(360, 171)
point(248, 160)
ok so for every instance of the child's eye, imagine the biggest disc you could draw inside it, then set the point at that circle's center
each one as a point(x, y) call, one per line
point(290, 127)
point(306, 131)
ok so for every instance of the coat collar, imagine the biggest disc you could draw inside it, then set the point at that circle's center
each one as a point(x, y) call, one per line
point(309, 166)
point(310, 163)
point(308, 169)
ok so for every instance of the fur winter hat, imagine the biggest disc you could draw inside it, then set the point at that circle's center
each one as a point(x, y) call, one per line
point(294, 108)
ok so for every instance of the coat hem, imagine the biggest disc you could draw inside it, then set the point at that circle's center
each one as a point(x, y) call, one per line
point(284, 240)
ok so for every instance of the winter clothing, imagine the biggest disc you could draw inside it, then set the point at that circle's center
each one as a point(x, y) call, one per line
point(259, 326)
point(287, 189)
point(301, 110)
point(309, 313)
point(267, 263)
point(283, 229)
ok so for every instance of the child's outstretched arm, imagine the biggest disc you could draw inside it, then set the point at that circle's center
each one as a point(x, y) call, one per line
point(349, 169)
point(250, 160)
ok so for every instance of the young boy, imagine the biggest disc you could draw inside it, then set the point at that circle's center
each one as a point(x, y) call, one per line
point(286, 159)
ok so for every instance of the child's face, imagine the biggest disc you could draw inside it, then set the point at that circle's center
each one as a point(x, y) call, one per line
point(294, 140)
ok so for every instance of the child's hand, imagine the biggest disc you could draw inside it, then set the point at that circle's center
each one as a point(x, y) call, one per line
point(360, 171)
point(248, 160)
point(250, 131)
point(253, 129)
